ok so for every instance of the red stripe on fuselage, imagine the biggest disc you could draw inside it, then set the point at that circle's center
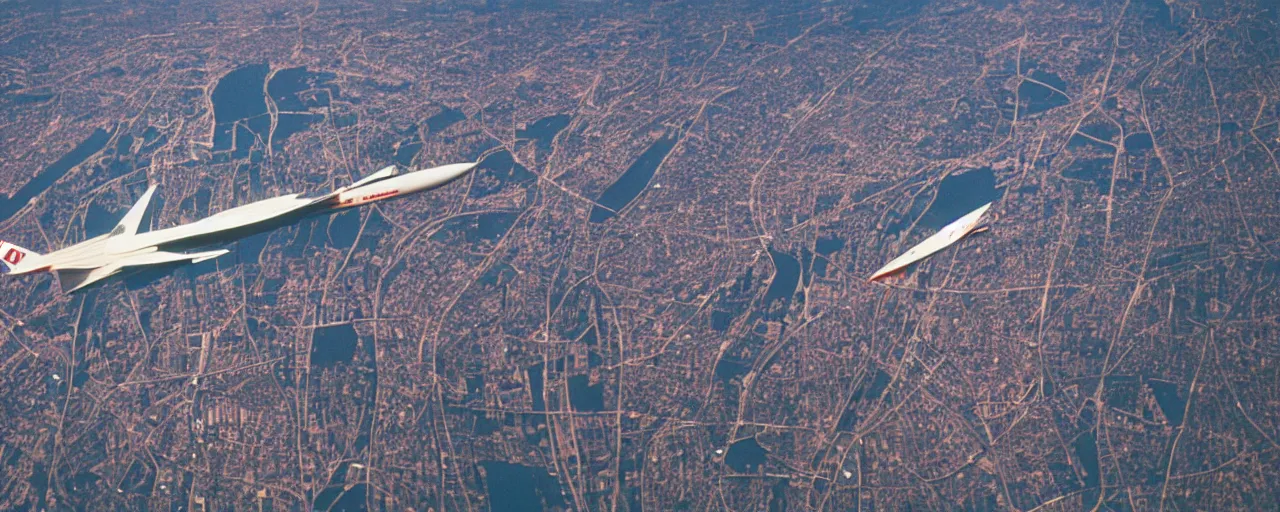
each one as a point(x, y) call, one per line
point(379, 195)
point(352, 201)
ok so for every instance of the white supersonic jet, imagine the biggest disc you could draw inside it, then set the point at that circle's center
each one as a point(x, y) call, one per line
point(98, 258)
point(949, 234)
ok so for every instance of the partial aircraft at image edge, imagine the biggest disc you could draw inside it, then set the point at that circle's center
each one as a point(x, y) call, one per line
point(100, 257)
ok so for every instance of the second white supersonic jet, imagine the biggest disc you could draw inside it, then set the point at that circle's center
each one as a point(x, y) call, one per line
point(98, 258)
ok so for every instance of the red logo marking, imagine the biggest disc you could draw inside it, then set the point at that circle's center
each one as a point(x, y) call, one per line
point(14, 256)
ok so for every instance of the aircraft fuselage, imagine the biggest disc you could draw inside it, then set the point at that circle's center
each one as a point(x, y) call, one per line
point(99, 257)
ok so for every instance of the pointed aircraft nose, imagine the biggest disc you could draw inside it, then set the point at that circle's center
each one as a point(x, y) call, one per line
point(425, 179)
point(452, 171)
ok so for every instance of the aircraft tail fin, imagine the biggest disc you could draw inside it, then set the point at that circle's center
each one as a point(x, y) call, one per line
point(11, 255)
point(133, 219)
point(379, 175)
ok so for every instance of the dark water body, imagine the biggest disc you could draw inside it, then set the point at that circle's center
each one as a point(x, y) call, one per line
point(784, 26)
point(345, 119)
point(503, 169)
point(1158, 12)
point(1171, 404)
point(197, 204)
point(289, 124)
point(826, 246)
point(238, 96)
point(544, 130)
point(1100, 132)
point(1095, 170)
point(746, 456)
point(336, 499)
point(1037, 98)
point(785, 279)
point(98, 220)
point(152, 140)
point(1064, 477)
point(139, 479)
point(446, 118)
point(806, 263)
point(83, 483)
point(866, 392)
point(881, 15)
point(31, 99)
point(375, 227)
point(734, 302)
point(150, 135)
point(1138, 142)
point(290, 89)
point(529, 91)
point(958, 194)
point(819, 267)
point(878, 385)
point(517, 488)
point(332, 345)
point(585, 397)
point(475, 228)
point(53, 173)
point(534, 374)
point(249, 249)
point(124, 145)
point(405, 152)
point(343, 228)
point(353, 500)
point(778, 496)
point(246, 136)
point(633, 181)
point(475, 387)
point(729, 367)
point(1086, 450)
point(285, 86)
point(721, 320)
point(39, 481)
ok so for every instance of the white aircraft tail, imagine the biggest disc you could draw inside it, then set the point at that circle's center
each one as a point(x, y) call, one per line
point(133, 218)
point(11, 255)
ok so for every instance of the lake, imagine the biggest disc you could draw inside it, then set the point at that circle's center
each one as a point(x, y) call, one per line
point(633, 181)
point(544, 130)
point(517, 488)
point(746, 456)
point(332, 345)
point(53, 173)
point(786, 278)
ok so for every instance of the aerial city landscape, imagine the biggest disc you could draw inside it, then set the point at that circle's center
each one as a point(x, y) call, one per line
point(667, 255)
